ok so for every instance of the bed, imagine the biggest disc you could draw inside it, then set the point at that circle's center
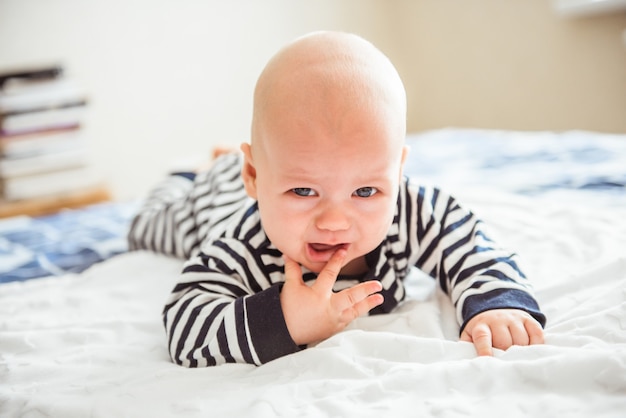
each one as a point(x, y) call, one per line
point(91, 343)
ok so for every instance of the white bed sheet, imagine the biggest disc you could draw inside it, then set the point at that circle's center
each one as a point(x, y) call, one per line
point(93, 344)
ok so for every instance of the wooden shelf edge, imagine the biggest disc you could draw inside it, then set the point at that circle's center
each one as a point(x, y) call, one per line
point(52, 204)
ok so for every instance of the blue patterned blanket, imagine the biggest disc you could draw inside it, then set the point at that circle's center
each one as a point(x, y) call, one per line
point(67, 242)
point(527, 163)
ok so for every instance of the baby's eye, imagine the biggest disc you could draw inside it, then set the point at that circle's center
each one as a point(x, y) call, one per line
point(303, 191)
point(366, 191)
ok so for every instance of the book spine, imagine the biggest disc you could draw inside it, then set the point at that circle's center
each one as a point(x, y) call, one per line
point(41, 142)
point(17, 167)
point(48, 184)
point(55, 118)
point(31, 74)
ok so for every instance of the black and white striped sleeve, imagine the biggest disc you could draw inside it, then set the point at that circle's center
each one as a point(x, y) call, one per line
point(225, 310)
point(455, 248)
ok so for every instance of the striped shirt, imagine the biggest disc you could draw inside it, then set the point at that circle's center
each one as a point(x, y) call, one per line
point(226, 307)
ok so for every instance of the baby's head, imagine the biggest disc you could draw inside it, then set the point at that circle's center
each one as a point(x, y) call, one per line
point(327, 148)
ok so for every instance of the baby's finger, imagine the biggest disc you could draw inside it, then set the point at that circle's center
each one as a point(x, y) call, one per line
point(519, 335)
point(361, 308)
point(481, 337)
point(534, 330)
point(348, 298)
point(328, 276)
point(501, 336)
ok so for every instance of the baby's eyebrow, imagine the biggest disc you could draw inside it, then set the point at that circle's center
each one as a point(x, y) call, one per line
point(373, 176)
point(298, 173)
point(294, 175)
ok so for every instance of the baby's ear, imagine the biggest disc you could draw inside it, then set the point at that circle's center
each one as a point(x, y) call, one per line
point(405, 153)
point(248, 171)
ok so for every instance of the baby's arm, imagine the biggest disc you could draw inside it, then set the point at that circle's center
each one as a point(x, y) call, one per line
point(218, 314)
point(492, 296)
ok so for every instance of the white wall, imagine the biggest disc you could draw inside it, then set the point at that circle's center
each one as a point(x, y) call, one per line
point(513, 64)
point(168, 79)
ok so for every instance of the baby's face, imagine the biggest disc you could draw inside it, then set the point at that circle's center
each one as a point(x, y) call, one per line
point(322, 189)
point(328, 147)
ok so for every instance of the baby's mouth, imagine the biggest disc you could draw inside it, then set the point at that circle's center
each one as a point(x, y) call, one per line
point(327, 247)
point(324, 251)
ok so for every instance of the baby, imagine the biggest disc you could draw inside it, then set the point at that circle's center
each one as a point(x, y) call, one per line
point(313, 223)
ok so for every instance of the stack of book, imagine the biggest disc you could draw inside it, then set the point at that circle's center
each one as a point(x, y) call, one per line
point(43, 151)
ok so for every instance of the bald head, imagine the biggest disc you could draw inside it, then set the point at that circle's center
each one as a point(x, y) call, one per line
point(322, 79)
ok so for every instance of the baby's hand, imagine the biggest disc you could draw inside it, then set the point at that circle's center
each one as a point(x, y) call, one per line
point(502, 328)
point(314, 313)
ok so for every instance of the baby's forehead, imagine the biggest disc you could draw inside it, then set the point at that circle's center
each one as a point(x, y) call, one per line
point(302, 147)
point(330, 128)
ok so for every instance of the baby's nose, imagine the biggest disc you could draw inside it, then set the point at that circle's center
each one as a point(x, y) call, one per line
point(333, 218)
